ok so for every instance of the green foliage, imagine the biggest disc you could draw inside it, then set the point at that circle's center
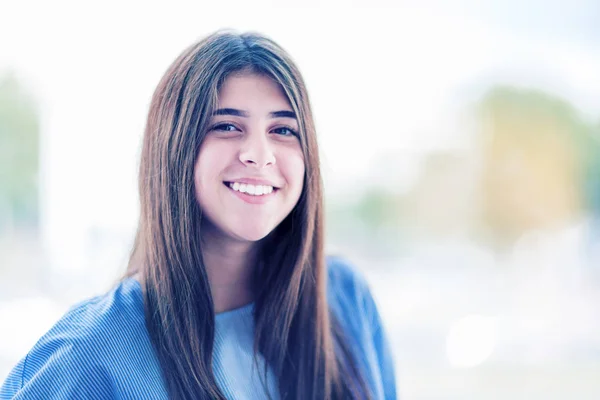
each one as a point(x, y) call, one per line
point(19, 153)
point(591, 152)
point(377, 209)
point(531, 117)
point(524, 107)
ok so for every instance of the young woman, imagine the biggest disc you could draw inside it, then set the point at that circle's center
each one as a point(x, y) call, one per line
point(228, 293)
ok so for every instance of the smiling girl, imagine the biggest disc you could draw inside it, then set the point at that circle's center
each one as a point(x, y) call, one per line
point(228, 294)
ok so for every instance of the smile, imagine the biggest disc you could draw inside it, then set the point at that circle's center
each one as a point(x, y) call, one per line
point(254, 190)
point(253, 194)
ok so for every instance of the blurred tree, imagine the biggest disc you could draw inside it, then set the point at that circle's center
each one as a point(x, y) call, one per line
point(441, 202)
point(19, 156)
point(377, 208)
point(538, 158)
point(371, 223)
point(591, 152)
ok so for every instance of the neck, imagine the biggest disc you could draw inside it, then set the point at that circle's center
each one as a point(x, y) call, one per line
point(230, 266)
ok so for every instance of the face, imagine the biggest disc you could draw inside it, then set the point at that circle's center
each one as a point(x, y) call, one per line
point(250, 169)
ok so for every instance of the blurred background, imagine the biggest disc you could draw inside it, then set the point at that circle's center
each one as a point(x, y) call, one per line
point(460, 145)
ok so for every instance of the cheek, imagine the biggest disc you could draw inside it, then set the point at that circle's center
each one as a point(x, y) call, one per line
point(211, 159)
point(293, 168)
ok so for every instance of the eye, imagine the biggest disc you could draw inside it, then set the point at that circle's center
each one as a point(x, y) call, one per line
point(225, 128)
point(285, 131)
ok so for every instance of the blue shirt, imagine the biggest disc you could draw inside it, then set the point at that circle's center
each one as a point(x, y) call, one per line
point(101, 349)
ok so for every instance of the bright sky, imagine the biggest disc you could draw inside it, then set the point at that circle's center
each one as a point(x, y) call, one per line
point(384, 82)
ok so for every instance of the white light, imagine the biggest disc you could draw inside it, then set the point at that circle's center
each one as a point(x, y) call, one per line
point(471, 340)
point(29, 319)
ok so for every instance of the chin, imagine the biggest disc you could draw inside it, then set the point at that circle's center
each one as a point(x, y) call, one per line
point(252, 236)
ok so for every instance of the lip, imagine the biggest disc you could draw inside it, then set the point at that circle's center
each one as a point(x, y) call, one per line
point(251, 199)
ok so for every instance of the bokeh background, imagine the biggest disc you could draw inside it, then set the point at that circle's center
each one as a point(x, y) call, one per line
point(460, 144)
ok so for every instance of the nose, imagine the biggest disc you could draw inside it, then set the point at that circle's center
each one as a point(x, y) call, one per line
point(257, 151)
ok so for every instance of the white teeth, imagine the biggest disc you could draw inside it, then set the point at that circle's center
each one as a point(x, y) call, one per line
point(255, 190)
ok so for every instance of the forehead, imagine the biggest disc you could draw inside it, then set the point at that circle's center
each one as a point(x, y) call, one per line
point(251, 91)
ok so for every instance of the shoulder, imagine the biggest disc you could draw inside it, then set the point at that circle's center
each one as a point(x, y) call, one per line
point(102, 321)
point(83, 349)
point(355, 309)
point(347, 286)
point(340, 269)
point(350, 299)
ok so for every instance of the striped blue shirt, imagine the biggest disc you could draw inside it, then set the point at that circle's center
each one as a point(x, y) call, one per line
point(101, 349)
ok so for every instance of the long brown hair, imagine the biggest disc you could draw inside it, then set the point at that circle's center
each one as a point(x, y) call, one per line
point(294, 330)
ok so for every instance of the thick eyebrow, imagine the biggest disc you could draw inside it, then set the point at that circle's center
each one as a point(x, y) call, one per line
point(231, 111)
point(282, 114)
point(239, 113)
